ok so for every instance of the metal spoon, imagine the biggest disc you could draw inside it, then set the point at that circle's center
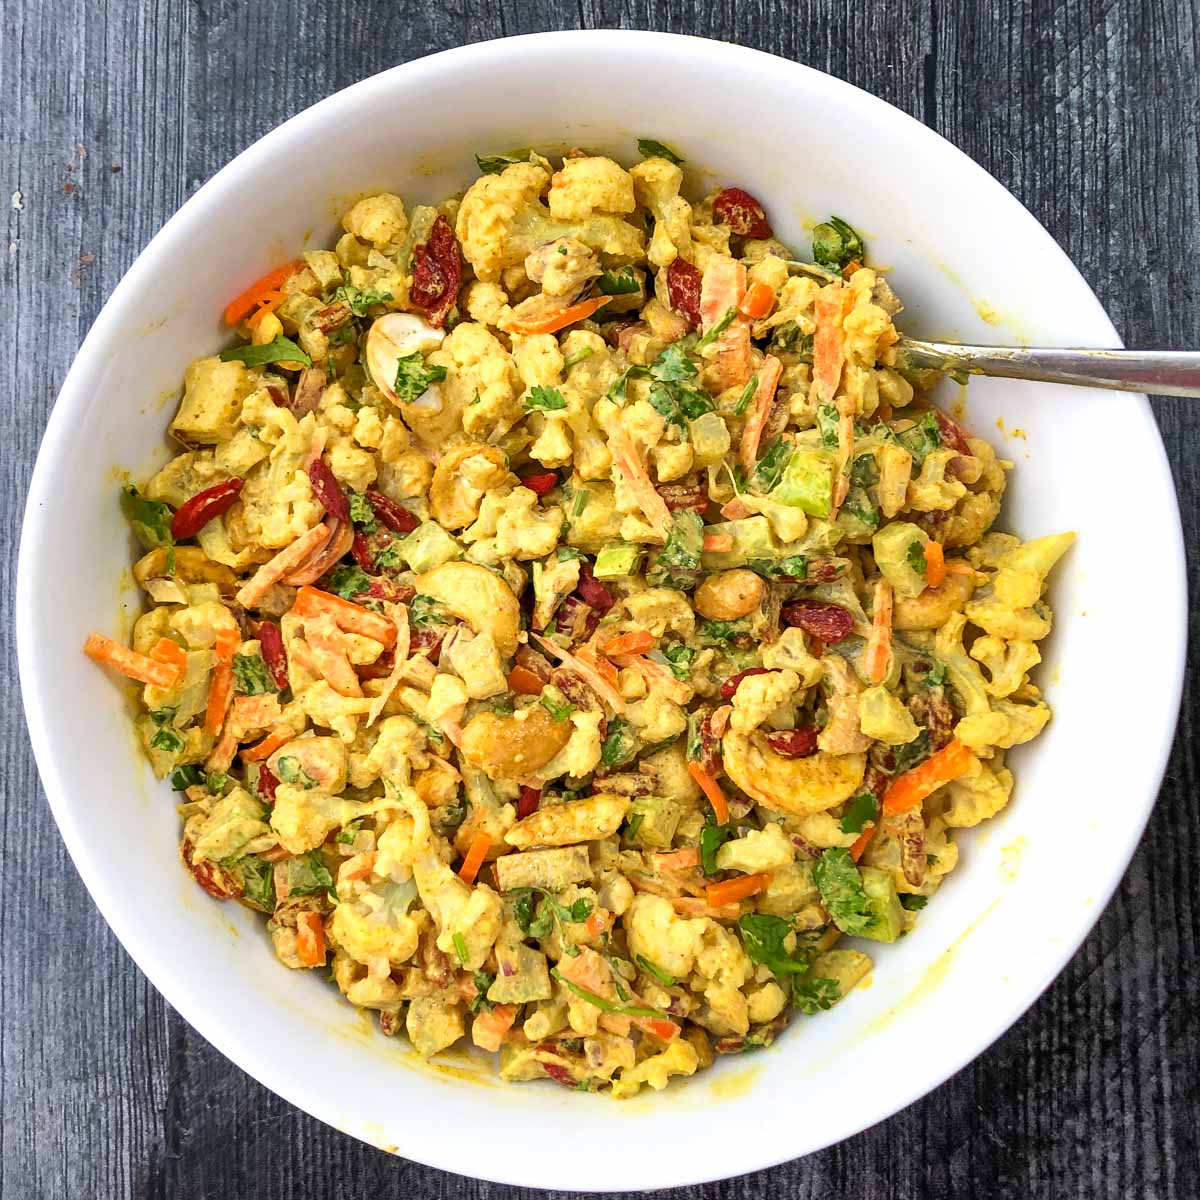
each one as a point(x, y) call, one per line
point(1163, 372)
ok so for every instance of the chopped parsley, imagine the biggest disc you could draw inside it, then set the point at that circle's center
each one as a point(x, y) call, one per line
point(493, 164)
point(836, 244)
point(290, 771)
point(712, 838)
point(308, 874)
point(536, 917)
point(923, 438)
point(183, 778)
point(361, 512)
point(827, 424)
point(258, 882)
point(815, 995)
point(282, 349)
point(150, 521)
point(770, 468)
point(649, 148)
point(358, 300)
point(677, 564)
point(482, 981)
point(861, 809)
point(912, 902)
point(425, 610)
point(251, 675)
point(620, 745)
point(679, 659)
point(545, 399)
point(414, 378)
point(167, 740)
point(619, 283)
point(347, 582)
point(842, 892)
point(719, 633)
point(915, 556)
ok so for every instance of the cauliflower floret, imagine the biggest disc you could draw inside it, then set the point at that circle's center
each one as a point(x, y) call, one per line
point(654, 930)
point(722, 968)
point(376, 923)
point(525, 530)
point(995, 617)
point(552, 446)
point(581, 754)
point(400, 743)
point(405, 476)
point(656, 184)
point(755, 851)
point(379, 220)
point(979, 794)
point(562, 266)
point(656, 718)
point(1006, 662)
point(486, 303)
point(331, 710)
point(758, 696)
point(766, 1004)
point(447, 700)
point(481, 380)
point(587, 185)
point(931, 491)
point(368, 431)
point(882, 715)
point(658, 609)
point(467, 918)
point(1005, 726)
point(304, 817)
point(538, 359)
point(789, 652)
point(679, 1058)
point(672, 460)
point(351, 464)
point(488, 210)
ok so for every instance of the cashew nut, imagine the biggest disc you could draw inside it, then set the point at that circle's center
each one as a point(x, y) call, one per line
point(934, 606)
point(463, 476)
point(729, 595)
point(794, 785)
point(192, 565)
point(586, 820)
point(513, 746)
point(479, 597)
point(392, 337)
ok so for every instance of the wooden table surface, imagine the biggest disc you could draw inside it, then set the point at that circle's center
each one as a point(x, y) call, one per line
point(112, 112)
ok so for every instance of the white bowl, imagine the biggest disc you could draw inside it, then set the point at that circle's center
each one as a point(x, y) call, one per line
point(1030, 884)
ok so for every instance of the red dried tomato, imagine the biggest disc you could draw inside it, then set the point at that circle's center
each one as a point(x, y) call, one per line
point(540, 482)
point(390, 590)
point(270, 642)
point(267, 783)
point(793, 743)
point(683, 290)
point(429, 643)
point(528, 803)
point(327, 489)
point(195, 513)
point(395, 516)
point(731, 684)
point(381, 668)
point(360, 551)
point(436, 273)
point(592, 591)
point(742, 213)
point(829, 622)
point(952, 434)
point(211, 876)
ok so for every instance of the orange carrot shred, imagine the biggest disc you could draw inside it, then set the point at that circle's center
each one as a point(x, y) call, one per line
point(130, 663)
point(879, 644)
point(935, 564)
point(475, 856)
point(908, 790)
point(172, 653)
point(241, 307)
point(718, 543)
point(267, 746)
point(560, 318)
point(636, 642)
point(310, 939)
point(730, 890)
point(758, 301)
point(709, 786)
point(864, 839)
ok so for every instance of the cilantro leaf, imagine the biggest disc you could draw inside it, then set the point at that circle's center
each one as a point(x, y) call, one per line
point(770, 468)
point(861, 809)
point(347, 582)
point(358, 300)
point(536, 917)
point(816, 995)
point(150, 521)
point(842, 892)
point(290, 771)
point(167, 740)
point(677, 564)
point(308, 874)
point(911, 753)
point(361, 512)
point(915, 556)
point(493, 164)
point(282, 349)
point(424, 611)
point(251, 675)
point(183, 778)
point(623, 282)
point(764, 939)
point(922, 438)
point(679, 659)
point(414, 378)
point(545, 399)
point(712, 838)
point(827, 424)
point(482, 981)
point(620, 745)
point(912, 902)
point(649, 148)
point(836, 244)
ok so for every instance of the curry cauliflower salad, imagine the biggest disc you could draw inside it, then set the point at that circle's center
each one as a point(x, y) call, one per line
point(568, 618)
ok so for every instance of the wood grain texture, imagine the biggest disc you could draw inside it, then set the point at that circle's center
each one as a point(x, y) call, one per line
point(1086, 109)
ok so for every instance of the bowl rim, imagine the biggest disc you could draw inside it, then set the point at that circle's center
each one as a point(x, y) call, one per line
point(748, 1156)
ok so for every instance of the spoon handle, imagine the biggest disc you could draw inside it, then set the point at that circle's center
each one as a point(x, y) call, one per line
point(1163, 372)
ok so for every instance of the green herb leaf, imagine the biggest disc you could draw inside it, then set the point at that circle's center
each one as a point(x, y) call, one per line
point(347, 582)
point(842, 892)
point(217, 782)
point(290, 771)
point(712, 838)
point(935, 676)
point(912, 902)
point(764, 937)
point(460, 948)
point(183, 778)
point(167, 740)
point(536, 917)
point(308, 874)
point(915, 556)
point(611, 1006)
point(649, 148)
point(747, 395)
point(569, 553)
point(545, 399)
point(619, 283)
point(251, 675)
point(280, 350)
point(424, 611)
point(620, 745)
point(719, 328)
point(414, 378)
point(560, 710)
point(360, 299)
point(482, 981)
point(827, 424)
point(836, 244)
point(816, 995)
point(923, 438)
point(861, 809)
point(677, 564)
point(150, 521)
point(768, 471)
point(258, 882)
point(390, 558)
point(655, 970)
point(912, 753)
point(634, 825)
point(719, 633)
point(788, 339)
point(679, 659)
point(578, 357)
point(347, 834)
point(361, 512)
point(493, 164)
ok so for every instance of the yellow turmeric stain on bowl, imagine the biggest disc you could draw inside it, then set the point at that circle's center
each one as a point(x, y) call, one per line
point(1010, 858)
point(733, 1085)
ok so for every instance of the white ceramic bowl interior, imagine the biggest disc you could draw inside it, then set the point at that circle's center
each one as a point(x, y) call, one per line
point(968, 261)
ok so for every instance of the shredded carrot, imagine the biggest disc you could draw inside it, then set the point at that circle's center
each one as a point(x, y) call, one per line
point(399, 615)
point(599, 922)
point(268, 302)
point(760, 409)
point(268, 746)
point(735, 510)
point(733, 355)
point(172, 653)
point(829, 347)
point(310, 939)
point(849, 269)
point(908, 790)
point(718, 543)
point(275, 854)
point(524, 682)
point(691, 906)
point(348, 617)
point(220, 688)
point(475, 856)
point(709, 786)
point(677, 860)
point(935, 564)
point(722, 287)
point(758, 301)
point(728, 891)
point(638, 641)
point(490, 1027)
point(559, 318)
point(599, 674)
point(879, 644)
point(864, 839)
point(960, 566)
point(629, 462)
point(287, 560)
point(659, 1027)
point(331, 654)
point(240, 308)
point(137, 666)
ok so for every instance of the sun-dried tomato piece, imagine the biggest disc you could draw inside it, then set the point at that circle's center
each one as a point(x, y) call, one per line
point(528, 802)
point(683, 290)
point(742, 213)
point(267, 783)
point(703, 745)
point(731, 684)
point(389, 590)
point(793, 743)
point(195, 513)
point(327, 489)
point(829, 622)
point(211, 876)
point(381, 668)
point(360, 551)
point(952, 434)
point(395, 516)
point(592, 591)
point(427, 642)
point(540, 482)
point(270, 642)
point(436, 273)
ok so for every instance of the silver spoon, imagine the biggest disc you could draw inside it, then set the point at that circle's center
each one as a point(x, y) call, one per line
point(1163, 372)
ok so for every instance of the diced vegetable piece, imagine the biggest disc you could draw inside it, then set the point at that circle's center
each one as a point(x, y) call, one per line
point(899, 549)
point(883, 905)
point(652, 822)
point(807, 482)
point(552, 869)
point(616, 561)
